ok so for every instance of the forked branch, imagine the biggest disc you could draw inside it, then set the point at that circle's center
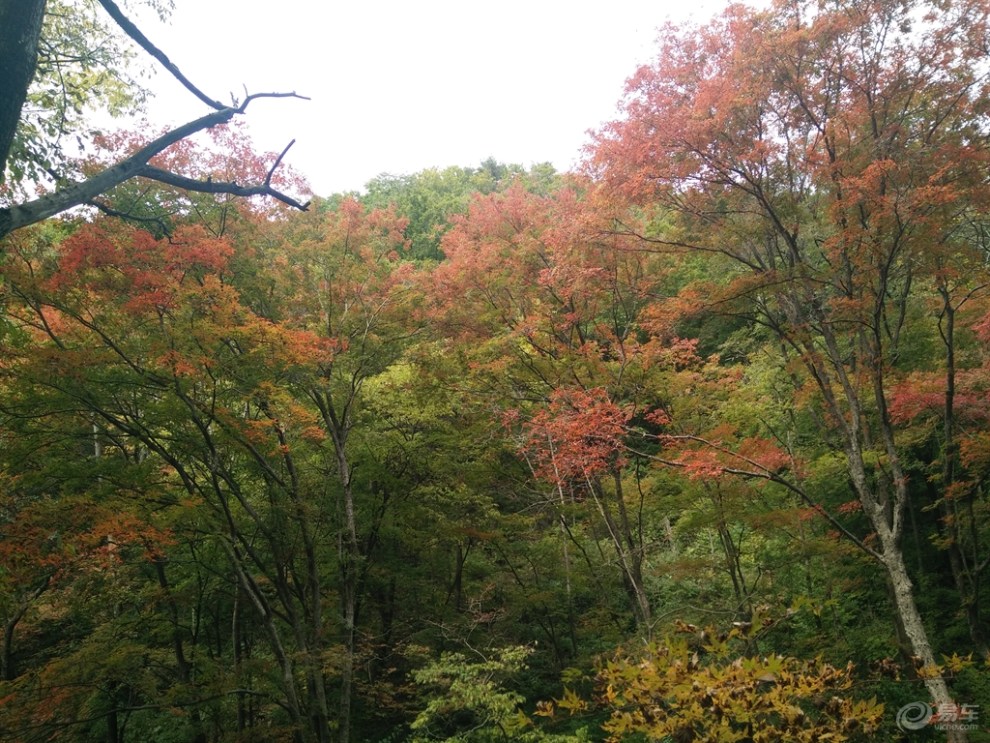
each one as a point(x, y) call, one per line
point(218, 187)
point(84, 192)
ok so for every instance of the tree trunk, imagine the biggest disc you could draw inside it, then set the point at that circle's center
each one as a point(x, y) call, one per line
point(20, 32)
point(913, 627)
point(349, 551)
point(350, 554)
point(966, 576)
point(113, 726)
point(7, 653)
point(884, 497)
point(282, 657)
point(571, 619)
point(629, 556)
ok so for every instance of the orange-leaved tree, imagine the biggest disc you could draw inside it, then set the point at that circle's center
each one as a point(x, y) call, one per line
point(540, 302)
point(147, 340)
point(830, 156)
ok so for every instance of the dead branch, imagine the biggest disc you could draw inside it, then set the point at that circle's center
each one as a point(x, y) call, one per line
point(84, 192)
point(218, 187)
point(141, 40)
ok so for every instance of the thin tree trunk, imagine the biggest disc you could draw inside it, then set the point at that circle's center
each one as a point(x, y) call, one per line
point(571, 620)
point(235, 641)
point(284, 660)
point(629, 560)
point(349, 595)
point(967, 583)
point(349, 550)
point(182, 664)
point(913, 626)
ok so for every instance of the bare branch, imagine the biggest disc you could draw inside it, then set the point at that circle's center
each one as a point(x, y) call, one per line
point(278, 161)
point(84, 192)
point(255, 96)
point(108, 210)
point(135, 33)
point(233, 188)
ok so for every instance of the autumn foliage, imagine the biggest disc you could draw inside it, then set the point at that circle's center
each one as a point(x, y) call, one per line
point(378, 472)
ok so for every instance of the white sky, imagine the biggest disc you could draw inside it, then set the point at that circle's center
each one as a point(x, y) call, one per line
point(401, 86)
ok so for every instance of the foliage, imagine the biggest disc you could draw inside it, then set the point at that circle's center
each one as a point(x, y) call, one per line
point(267, 475)
point(430, 198)
point(85, 64)
point(698, 690)
point(471, 704)
point(68, 49)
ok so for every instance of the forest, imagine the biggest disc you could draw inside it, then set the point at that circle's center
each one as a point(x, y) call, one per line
point(691, 444)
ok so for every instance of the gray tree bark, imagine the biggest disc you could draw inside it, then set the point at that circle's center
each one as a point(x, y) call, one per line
point(20, 32)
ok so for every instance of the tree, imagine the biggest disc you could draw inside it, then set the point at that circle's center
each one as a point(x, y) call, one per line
point(225, 154)
point(545, 315)
point(22, 37)
point(470, 702)
point(350, 288)
point(829, 152)
point(431, 198)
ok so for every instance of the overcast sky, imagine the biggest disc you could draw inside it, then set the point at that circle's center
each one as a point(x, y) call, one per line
point(402, 86)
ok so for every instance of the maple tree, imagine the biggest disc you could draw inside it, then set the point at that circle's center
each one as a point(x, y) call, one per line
point(344, 475)
point(351, 290)
point(224, 154)
point(552, 301)
point(589, 380)
point(165, 321)
point(247, 398)
point(813, 148)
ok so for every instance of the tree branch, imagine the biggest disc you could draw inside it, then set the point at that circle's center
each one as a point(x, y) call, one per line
point(227, 187)
point(759, 472)
point(127, 217)
point(83, 192)
point(135, 33)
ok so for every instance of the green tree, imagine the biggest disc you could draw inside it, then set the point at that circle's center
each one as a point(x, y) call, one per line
point(472, 702)
point(431, 198)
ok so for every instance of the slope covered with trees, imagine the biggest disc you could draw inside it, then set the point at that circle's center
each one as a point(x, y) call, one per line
point(691, 446)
